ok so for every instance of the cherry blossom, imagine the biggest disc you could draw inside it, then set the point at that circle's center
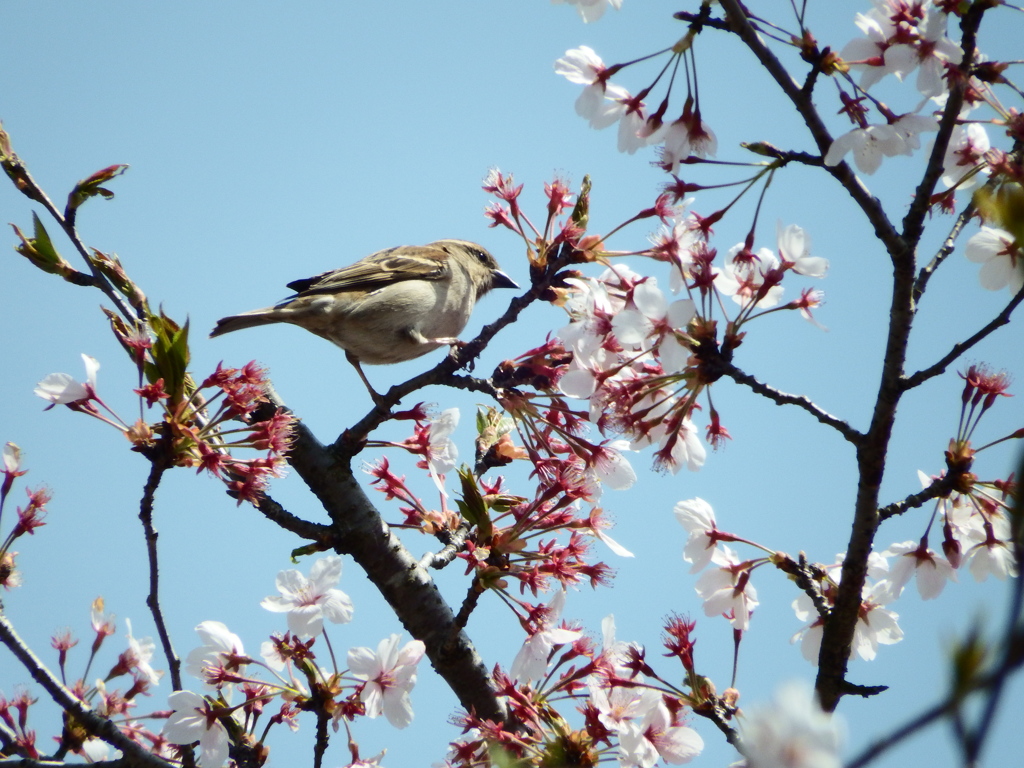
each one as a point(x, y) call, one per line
point(63, 389)
point(581, 66)
point(795, 248)
point(141, 653)
point(195, 719)
point(875, 624)
point(1001, 259)
point(221, 650)
point(991, 557)
point(745, 276)
point(727, 590)
point(617, 705)
point(601, 103)
point(590, 10)
point(916, 559)
point(791, 732)
point(617, 652)
point(965, 153)
point(442, 451)
point(309, 601)
point(698, 518)
point(869, 145)
point(657, 736)
point(933, 52)
point(687, 136)
point(532, 660)
point(896, 43)
point(390, 676)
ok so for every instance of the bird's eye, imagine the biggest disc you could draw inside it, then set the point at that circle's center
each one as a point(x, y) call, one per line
point(481, 256)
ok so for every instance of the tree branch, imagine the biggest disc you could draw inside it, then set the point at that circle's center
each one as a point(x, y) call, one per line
point(938, 489)
point(160, 462)
point(801, 401)
point(1003, 318)
point(135, 755)
point(358, 530)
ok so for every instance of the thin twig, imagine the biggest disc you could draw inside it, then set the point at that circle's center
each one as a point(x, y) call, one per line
point(943, 253)
point(160, 464)
point(1003, 318)
point(938, 489)
point(456, 543)
point(801, 401)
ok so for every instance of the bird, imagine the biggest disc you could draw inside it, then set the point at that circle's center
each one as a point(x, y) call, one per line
point(391, 306)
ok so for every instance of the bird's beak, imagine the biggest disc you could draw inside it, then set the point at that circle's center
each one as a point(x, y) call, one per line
point(500, 280)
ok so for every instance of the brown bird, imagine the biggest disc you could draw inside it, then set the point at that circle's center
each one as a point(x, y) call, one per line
point(391, 306)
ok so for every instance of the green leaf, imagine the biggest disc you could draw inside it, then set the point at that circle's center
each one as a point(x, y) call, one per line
point(40, 251)
point(170, 356)
point(472, 505)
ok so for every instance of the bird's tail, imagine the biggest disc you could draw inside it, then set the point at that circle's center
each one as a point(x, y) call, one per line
point(244, 320)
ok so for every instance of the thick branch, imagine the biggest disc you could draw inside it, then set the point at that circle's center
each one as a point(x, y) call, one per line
point(357, 529)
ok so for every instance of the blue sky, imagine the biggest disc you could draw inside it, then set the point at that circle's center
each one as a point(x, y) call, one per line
point(268, 142)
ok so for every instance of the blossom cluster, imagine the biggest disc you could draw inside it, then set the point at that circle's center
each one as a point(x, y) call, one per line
point(509, 537)
point(375, 682)
point(629, 712)
point(195, 421)
point(100, 694)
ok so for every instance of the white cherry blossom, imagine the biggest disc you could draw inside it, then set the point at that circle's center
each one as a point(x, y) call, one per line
point(590, 10)
point(1001, 258)
point(63, 389)
point(698, 518)
point(915, 559)
point(192, 720)
point(727, 589)
point(791, 732)
point(221, 649)
point(309, 601)
point(532, 660)
point(868, 145)
point(390, 676)
point(795, 247)
point(642, 743)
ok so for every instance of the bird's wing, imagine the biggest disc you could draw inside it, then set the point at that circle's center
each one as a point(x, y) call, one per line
point(406, 262)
